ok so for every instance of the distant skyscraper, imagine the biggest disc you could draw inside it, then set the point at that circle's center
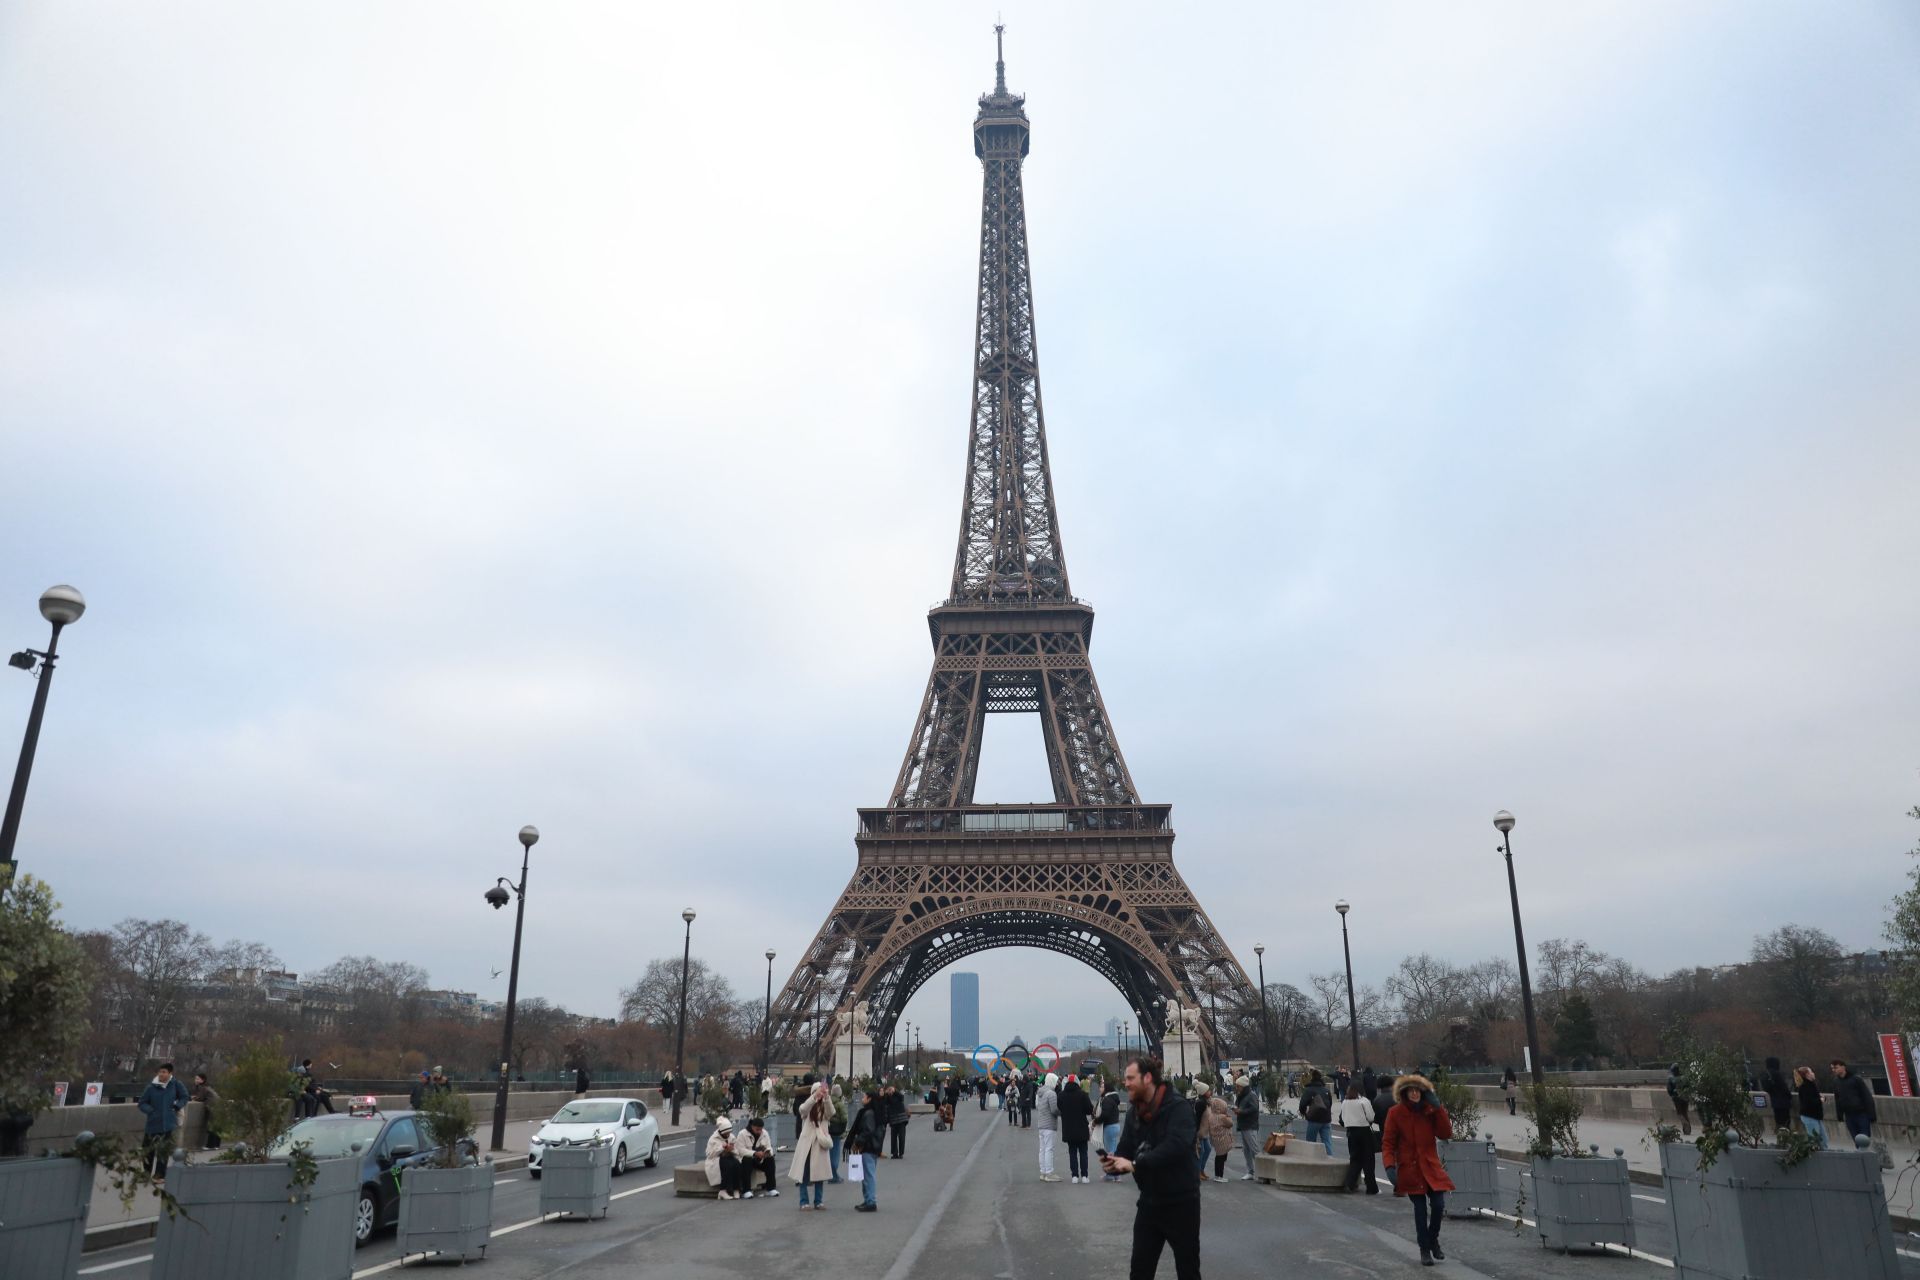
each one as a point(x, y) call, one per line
point(964, 1003)
point(1113, 1033)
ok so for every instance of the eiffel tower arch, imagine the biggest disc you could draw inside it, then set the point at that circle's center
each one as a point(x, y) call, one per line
point(939, 878)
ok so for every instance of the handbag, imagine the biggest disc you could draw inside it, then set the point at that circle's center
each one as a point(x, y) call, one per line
point(1277, 1144)
point(822, 1139)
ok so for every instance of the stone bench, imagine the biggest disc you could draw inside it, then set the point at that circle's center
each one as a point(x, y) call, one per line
point(691, 1180)
point(1304, 1167)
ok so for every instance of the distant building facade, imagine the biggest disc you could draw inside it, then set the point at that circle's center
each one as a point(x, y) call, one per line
point(963, 1003)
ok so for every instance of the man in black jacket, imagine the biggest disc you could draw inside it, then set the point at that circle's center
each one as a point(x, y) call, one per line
point(1156, 1147)
point(1853, 1100)
point(864, 1141)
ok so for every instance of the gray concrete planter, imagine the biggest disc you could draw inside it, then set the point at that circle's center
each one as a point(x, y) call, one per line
point(1582, 1203)
point(43, 1216)
point(780, 1131)
point(576, 1180)
point(449, 1211)
point(248, 1222)
point(1748, 1217)
point(702, 1130)
point(1474, 1168)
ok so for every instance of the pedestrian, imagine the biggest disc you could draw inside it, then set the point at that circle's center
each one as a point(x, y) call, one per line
point(897, 1118)
point(1076, 1127)
point(837, 1130)
point(1368, 1083)
point(864, 1144)
point(1779, 1091)
point(1316, 1108)
point(737, 1090)
point(810, 1148)
point(1853, 1101)
point(1110, 1124)
point(722, 1164)
point(1216, 1122)
point(580, 1081)
point(1382, 1103)
point(418, 1093)
point(1813, 1112)
point(202, 1093)
point(1676, 1090)
point(679, 1095)
point(1409, 1148)
point(1246, 1121)
point(1510, 1089)
point(766, 1095)
point(1340, 1081)
point(161, 1102)
point(979, 1088)
point(1356, 1120)
point(1155, 1148)
point(1293, 1084)
point(1029, 1089)
point(1046, 1106)
point(322, 1098)
point(755, 1150)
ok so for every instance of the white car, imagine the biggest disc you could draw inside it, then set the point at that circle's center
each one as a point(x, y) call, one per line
point(635, 1134)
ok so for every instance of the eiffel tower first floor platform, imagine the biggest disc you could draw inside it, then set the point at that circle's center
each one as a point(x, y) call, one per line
point(935, 885)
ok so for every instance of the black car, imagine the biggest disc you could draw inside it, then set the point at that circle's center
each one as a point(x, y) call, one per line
point(386, 1142)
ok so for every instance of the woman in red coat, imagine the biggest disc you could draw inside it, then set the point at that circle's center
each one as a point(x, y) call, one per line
point(1408, 1148)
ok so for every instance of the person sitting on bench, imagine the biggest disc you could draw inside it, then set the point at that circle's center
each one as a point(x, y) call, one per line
point(755, 1150)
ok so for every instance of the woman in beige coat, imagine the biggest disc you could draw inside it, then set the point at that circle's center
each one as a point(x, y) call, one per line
point(813, 1149)
point(1215, 1123)
point(723, 1166)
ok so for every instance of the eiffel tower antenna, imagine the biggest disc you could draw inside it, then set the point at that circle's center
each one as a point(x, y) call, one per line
point(939, 877)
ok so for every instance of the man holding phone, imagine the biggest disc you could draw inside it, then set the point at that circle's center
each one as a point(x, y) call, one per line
point(1156, 1147)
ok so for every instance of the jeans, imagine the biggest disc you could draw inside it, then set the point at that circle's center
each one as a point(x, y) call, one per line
point(868, 1189)
point(1360, 1158)
point(833, 1162)
point(1110, 1139)
point(1046, 1153)
point(1429, 1211)
point(1249, 1146)
point(1076, 1159)
point(1158, 1225)
point(819, 1189)
point(899, 1141)
point(1321, 1133)
point(1817, 1128)
point(1200, 1156)
point(1859, 1124)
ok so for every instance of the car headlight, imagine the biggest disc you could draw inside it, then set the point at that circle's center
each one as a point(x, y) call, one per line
point(536, 1140)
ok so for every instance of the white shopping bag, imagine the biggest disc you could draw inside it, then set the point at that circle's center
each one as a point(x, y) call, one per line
point(855, 1169)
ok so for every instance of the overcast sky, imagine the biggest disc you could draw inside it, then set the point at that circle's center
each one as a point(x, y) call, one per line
point(461, 416)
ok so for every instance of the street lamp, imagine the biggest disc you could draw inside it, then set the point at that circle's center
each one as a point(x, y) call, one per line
point(766, 1033)
point(1125, 1026)
point(1266, 1023)
point(680, 1037)
point(59, 605)
point(1353, 1015)
point(497, 898)
point(1503, 823)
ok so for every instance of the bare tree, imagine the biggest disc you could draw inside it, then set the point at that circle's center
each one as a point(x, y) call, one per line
point(1427, 988)
point(654, 997)
point(153, 966)
point(1801, 967)
point(381, 993)
point(1329, 1005)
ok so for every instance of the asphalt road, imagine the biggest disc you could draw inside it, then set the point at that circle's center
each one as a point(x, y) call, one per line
point(970, 1203)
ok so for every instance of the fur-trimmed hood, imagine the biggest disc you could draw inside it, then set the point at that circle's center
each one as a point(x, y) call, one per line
point(1413, 1080)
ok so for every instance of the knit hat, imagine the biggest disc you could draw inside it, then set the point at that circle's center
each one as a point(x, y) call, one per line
point(724, 1125)
point(1202, 1088)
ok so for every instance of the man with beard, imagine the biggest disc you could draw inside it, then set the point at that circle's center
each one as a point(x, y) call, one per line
point(1156, 1147)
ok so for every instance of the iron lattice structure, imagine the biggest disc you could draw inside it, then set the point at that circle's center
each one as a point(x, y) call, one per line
point(939, 878)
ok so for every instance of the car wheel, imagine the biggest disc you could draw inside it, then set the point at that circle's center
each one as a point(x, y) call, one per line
point(620, 1160)
point(366, 1218)
point(653, 1155)
point(533, 1173)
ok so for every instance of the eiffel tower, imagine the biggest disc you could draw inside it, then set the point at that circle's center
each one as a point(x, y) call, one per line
point(939, 877)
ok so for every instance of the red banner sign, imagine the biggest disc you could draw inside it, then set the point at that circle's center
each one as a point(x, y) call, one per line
point(1893, 1053)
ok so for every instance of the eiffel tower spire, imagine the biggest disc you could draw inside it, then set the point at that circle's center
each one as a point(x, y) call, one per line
point(1009, 535)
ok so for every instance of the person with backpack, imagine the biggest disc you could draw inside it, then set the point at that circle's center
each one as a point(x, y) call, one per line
point(1076, 1127)
point(1676, 1091)
point(837, 1130)
point(1246, 1122)
point(1110, 1124)
point(1410, 1150)
point(1316, 1108)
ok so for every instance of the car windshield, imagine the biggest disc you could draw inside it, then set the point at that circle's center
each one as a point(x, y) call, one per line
point(590, 1113)
point(327, 1138)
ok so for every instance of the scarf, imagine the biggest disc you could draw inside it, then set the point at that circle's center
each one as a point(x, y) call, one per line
point(1151, 1107)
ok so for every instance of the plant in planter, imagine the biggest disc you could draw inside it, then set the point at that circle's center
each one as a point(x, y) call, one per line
point(44, 980)
point(1471, 1162)
point(713, 1102)
point(1738, 1208)
point(446, 1204)
point(263, 1207)
point(1584, 1199)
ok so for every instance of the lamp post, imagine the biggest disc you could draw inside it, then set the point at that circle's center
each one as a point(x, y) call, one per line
point(766, 1032)
point(1503, 823)
point(680, 1037)
point(1213, 1004)
point(1125, 1026)
point(1353, 1014)
point(497, 897)
point(59, 605)
point(1266, 1023)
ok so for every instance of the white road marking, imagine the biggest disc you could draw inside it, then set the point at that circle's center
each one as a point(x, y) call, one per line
point(112, 1266)
point(1609, 1248)
point(622, 1195)
point(497, 1232)
point(903, 1264)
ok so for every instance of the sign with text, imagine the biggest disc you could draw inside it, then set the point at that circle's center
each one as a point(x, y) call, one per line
point(92, 1097)
point(1893, 1054)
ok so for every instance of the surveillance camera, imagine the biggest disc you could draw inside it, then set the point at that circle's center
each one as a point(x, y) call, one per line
point(497, 896)
point(22, 661)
